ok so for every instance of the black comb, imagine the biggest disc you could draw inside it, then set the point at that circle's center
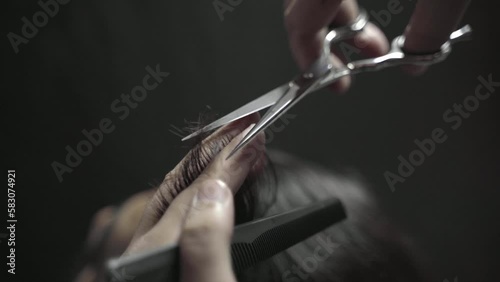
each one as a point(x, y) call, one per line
point(252, 242)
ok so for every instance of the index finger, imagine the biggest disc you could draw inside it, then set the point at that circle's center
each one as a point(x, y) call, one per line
point(304, 21)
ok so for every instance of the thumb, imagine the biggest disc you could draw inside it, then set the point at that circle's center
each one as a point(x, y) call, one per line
point(206, 236)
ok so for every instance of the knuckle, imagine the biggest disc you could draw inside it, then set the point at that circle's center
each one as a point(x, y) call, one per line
point(201, 232)
point(214, 177)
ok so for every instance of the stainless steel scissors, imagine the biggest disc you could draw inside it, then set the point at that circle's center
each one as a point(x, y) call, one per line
point(322, 73)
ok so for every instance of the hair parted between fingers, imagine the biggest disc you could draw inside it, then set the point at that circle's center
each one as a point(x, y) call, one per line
point(198, 158)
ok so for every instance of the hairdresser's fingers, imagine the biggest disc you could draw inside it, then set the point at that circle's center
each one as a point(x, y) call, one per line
point(194, 163)
point(430, 26)
point(229, 172)
point(371, 42)
point(206, 236)
point(306, 22)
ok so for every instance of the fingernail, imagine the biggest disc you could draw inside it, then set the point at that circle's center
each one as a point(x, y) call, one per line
point(212, 192)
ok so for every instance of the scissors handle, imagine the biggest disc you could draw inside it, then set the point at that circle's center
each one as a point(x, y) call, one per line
point(323, 64)
point(396, 57)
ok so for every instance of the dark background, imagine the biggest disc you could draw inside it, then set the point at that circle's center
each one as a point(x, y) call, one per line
point(66, 77)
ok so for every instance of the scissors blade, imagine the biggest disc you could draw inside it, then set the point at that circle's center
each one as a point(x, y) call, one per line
point(256, 105)
point(290, 98)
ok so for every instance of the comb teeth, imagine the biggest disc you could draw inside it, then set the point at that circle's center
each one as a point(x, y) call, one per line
point(243, 255)
point(266, 245)
point(247, 252)
point(273, 241)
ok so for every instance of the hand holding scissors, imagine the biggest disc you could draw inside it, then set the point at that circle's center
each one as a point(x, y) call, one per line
point(323, 72)
point(306, 22)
